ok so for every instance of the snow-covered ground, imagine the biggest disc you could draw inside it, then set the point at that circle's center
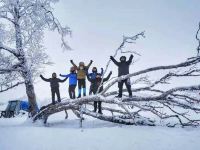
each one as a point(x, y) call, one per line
point(60, 134)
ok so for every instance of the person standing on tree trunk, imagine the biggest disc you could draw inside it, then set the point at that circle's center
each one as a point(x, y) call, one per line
point(72, 82)
point(123, 69)
point(95, 83)
point(93, 76)
point(54, 83)
point(81, 75)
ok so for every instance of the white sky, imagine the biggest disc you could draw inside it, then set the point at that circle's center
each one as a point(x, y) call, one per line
point(98, 27)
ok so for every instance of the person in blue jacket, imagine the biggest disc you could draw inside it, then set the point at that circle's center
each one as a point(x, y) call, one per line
point(72, 82)
point(94, 73)
point(92, 76)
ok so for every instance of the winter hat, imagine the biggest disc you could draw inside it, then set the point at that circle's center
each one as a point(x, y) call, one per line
point(123, 58)
point(94, 69)
point(81, 64)
point(72, 69)
point(54, 75)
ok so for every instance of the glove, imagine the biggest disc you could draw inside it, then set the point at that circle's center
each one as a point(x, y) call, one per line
point(111, 57)
point(71, 61)
point(110, 72)
point(40, 75)
point(59, 74)
point(132, 55)
point(91, 60)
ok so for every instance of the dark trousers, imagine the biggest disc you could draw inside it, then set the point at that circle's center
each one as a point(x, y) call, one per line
point(81, 84)
point(90, 90)
point(72, 93)
point(97, 104)
point(128, 86)
point(55, 91)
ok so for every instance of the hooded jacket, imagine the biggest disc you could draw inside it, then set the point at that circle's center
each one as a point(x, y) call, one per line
point(72, 78)
point(94, 74)
point(95, 83)
point(54, 82)
point(123, 67)
point(81, 73)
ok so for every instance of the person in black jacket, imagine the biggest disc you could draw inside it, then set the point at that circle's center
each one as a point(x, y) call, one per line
point(95, 83)
point(123, 69)
point(54, 83)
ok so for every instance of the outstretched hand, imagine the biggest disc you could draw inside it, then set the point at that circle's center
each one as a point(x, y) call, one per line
point(110, 72)
point(59, 74)
point(111, 57)
point(91, 61)
point(71, 61)
point(132, 55)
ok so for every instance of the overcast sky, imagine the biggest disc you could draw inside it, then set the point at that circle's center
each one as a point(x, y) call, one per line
point(99, 25)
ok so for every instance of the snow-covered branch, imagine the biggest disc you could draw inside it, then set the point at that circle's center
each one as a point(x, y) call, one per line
point(125, 41)
point(198, 39)
point(10, 50)
point(11, 86)
point(180, 65)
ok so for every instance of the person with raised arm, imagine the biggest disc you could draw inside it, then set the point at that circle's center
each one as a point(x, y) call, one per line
point(123, 69)
point(72, 82)
point(54, 84)
point(82, 71)
point(95, 85)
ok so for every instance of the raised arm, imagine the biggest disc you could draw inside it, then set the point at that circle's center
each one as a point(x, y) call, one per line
point(130, 59)
point(66, 76)
point(101, 71)
point(43, 78)
point(108, 77)
point(113, 59)
point(72, 62)
point(59, 80)
point(88, 66)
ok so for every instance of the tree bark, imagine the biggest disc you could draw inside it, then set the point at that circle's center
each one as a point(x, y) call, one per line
point(26, 72)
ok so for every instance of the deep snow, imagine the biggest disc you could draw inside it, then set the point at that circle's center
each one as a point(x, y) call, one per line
point(60, 134)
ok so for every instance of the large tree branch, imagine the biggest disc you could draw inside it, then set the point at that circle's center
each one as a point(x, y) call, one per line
point(180, 65)
point(3, 15)
point(8, 49)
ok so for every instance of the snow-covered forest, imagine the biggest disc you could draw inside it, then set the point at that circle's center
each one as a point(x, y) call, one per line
point(115, 83)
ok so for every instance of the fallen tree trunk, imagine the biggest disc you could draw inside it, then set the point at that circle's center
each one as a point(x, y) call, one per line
point(175, 106)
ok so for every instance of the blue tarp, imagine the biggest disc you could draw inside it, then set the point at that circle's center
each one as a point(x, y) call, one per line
point(24, 105)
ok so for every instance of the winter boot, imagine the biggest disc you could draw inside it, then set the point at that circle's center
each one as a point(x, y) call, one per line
point(79, 93)
point(118, 96)
point(100, 112)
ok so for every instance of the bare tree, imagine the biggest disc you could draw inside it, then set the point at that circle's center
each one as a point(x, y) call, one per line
point(21, 51)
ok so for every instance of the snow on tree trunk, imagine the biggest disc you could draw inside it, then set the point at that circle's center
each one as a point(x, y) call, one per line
point(26, 72)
